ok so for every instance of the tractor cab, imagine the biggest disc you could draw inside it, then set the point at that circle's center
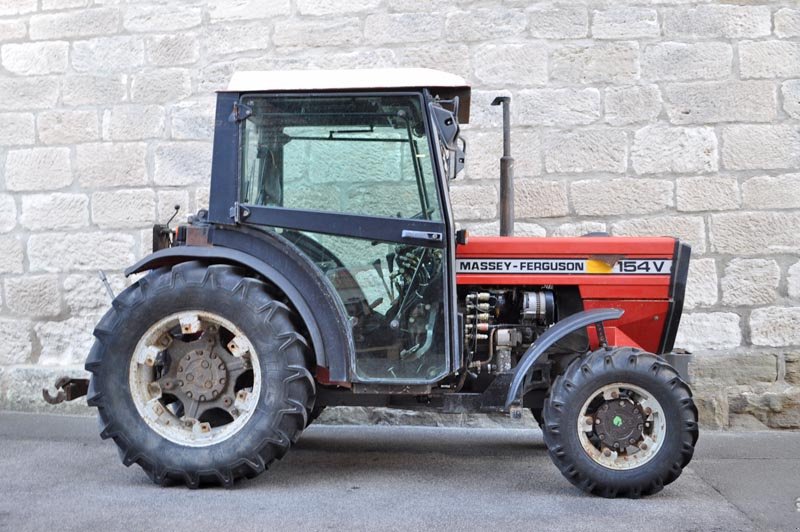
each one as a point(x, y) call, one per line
point(352, 168)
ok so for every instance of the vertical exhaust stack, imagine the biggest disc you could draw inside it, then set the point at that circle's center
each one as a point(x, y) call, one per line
point(506, 171)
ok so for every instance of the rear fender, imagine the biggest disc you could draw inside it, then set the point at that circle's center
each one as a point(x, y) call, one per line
point(285, 266)
point(547, 339)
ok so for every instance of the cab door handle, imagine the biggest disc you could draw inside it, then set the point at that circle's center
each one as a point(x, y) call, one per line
point(421, 235)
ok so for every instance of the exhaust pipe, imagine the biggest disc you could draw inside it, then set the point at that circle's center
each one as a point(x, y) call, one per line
point(506, 171)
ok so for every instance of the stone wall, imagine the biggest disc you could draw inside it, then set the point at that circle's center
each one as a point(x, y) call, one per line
point(674, 117)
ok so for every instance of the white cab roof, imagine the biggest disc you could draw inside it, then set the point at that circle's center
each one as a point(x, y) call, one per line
point(312, 80)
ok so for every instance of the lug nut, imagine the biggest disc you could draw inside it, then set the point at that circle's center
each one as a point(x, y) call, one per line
point(189, 395)
point(221, 367)
point(208, 384)
point(205, 364)
point(607, 453)
point(648, 410)
point(588, 420)
point(643, 446)
point(190, 377)
point(202, 397)
point(615, 395)
point(632, 441)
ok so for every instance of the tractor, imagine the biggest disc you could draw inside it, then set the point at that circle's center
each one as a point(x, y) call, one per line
point(328, 271)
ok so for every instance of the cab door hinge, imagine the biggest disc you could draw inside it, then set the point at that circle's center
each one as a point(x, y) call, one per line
point(240, 112)
point(239, 212)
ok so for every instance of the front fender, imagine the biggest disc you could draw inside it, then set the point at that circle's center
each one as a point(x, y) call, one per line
point(550, 337)
point(285, 266)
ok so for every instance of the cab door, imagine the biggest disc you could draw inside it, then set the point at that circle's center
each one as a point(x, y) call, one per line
point(351, 180)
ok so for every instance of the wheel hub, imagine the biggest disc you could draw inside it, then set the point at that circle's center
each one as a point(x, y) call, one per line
point(619, 423)
point(195, 378)
point(202, 374)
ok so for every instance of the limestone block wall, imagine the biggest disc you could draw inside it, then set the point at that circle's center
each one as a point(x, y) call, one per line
point(643, 117)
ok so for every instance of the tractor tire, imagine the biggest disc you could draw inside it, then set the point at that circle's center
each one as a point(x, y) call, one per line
point(620, 423)
point(214, 316)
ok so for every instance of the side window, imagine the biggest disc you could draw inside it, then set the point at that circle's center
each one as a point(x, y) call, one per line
point(366, 155)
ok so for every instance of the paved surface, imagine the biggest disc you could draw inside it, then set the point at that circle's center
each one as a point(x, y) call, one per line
point(56, 474)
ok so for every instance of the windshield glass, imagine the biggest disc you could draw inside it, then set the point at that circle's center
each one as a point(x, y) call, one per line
point(365, 155)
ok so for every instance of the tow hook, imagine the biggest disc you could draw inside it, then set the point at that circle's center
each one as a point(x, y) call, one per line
point(67, 389)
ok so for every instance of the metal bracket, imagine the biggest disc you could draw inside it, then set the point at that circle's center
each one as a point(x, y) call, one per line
point(601, 334)
point(68, 389)
point(241, 112)
point(238, 212)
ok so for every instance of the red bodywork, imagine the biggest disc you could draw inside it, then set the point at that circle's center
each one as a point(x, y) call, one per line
point(645, 298)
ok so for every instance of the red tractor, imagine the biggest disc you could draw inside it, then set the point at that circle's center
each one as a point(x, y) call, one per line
point(328, 271)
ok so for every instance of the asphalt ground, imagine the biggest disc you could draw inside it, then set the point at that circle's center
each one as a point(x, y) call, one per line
point(57, 475)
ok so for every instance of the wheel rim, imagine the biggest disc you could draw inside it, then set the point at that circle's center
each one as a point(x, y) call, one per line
point(195, 378)
point(621, 426)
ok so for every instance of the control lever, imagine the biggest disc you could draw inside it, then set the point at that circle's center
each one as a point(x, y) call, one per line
point(378, 268)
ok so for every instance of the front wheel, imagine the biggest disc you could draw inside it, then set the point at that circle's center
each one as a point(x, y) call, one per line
point(620, 423)
point(199, 375)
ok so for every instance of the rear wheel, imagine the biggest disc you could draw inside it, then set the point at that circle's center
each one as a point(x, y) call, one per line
point(199, 375)
point(620, 423)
